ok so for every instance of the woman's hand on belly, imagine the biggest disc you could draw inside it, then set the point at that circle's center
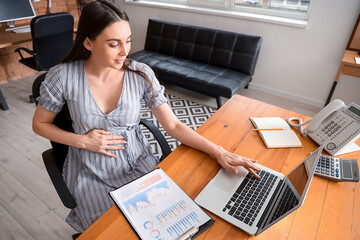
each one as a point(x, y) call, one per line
point(99, 140)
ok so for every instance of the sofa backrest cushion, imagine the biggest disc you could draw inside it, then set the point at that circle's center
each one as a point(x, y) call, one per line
point(185, 42)
point(153, 35)
point(204, 43)
point(223, 49)
point(231, 50)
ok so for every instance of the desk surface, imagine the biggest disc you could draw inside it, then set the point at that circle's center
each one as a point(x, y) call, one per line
point(347, 67)
point(8, 38)
point(349, 58)
point(330, 211)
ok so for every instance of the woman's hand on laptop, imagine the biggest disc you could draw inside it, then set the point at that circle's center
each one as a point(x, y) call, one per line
point(230, 161)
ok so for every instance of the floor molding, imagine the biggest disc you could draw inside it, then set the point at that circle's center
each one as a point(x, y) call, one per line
point(286, 95)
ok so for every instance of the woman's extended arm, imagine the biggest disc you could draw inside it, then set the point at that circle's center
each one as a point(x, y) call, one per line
point(97, 140)
point(187, 136)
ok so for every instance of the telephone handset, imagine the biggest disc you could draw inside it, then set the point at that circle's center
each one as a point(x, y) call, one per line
point(337, 126)
point(331, 108)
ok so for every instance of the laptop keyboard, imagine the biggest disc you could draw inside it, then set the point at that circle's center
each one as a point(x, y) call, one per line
point(287, 202)
point(246, 202)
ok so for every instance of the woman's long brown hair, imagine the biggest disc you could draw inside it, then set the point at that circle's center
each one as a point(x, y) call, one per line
point(94, 18)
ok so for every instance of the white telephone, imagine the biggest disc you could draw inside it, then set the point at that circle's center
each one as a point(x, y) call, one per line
point(336, 125)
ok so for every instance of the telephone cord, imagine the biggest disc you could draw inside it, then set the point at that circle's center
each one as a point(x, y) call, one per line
point(299, 125)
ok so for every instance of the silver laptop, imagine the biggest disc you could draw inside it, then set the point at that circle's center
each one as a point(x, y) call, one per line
point(254, 205)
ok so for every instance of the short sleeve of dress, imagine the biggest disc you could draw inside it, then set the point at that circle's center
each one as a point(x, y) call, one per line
point(51, 91)
point(155, 90)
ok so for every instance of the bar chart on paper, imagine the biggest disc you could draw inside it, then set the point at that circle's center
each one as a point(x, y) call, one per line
point(157, 208)
point(172, 211)
point(184, 224)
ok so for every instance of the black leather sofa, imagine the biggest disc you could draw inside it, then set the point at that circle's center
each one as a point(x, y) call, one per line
point(213, 62)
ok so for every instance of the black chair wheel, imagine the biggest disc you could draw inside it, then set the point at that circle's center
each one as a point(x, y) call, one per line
point(76, 235)
point(31, 99)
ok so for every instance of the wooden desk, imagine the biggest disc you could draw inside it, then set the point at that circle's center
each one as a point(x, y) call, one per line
point(330, 211)
point(347, 67)
point(8, 38)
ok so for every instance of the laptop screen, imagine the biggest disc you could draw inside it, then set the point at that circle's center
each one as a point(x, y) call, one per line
point(298, 179)
point(301, 176)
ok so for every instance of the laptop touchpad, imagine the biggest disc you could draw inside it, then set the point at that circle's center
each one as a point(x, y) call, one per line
point(226, 180)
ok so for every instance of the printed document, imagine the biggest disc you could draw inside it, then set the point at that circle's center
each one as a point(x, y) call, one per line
point(157, 207)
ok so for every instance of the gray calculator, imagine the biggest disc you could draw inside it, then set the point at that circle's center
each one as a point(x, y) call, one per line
point(337, 169)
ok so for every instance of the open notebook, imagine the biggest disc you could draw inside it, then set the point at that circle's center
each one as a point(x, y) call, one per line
point(276, 138)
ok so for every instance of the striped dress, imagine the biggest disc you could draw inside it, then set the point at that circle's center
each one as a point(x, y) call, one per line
point(91, 176)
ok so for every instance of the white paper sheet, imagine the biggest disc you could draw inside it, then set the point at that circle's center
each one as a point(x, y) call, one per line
point(158, 208)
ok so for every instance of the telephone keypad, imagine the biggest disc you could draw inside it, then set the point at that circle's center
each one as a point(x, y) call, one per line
point(336, 128)
point(331, 129)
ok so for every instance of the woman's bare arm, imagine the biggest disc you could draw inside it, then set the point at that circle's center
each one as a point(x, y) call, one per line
point(192, 139)
point(97, 140)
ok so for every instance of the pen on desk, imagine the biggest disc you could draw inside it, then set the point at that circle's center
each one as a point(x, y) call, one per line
point(189, 233)
point(269, 129)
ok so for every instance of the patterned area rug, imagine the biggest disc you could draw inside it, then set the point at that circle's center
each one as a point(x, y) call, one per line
point(190, 113)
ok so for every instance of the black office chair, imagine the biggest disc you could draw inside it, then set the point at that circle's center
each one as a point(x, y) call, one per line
point(52, 37)
point(3, 102)
point(54, 158)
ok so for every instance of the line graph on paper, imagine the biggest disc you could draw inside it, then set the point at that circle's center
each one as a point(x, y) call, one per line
point(147, 198)
point(157, 208)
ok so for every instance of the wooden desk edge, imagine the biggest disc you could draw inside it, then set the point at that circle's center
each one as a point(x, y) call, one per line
point(19, 37)
point(104, 226)
point(349, 58)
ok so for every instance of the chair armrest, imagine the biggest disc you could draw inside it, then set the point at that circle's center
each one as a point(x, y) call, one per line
point(165, 148)
point(58, 180)
point(18, 50)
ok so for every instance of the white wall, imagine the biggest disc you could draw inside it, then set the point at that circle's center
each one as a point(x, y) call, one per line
point(294, 62)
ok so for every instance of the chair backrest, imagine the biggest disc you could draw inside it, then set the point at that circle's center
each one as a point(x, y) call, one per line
point(62, 120)
point(52, 36)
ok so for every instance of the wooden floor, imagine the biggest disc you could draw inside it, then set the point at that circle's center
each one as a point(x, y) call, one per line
point(29, 206)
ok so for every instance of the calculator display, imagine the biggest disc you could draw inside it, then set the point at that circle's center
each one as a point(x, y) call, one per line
point(346, 170)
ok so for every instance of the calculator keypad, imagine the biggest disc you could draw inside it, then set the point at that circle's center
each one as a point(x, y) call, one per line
point(328, 166)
